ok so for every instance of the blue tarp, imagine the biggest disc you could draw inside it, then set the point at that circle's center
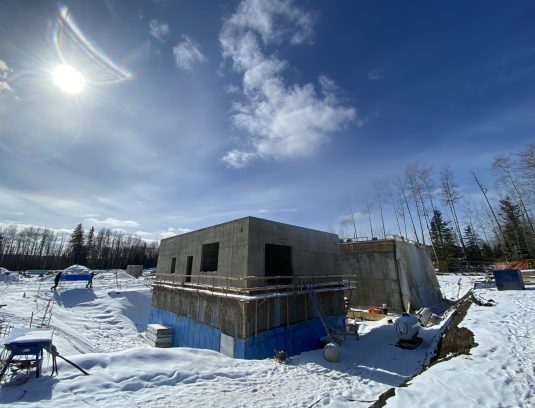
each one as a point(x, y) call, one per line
point(82, 277)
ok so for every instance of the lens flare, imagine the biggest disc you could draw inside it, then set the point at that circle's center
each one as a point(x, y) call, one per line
point(72, 45)
point(68, 79)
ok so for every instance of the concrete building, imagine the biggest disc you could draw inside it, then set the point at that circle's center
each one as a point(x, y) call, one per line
point(249, 287)
point(395, 272)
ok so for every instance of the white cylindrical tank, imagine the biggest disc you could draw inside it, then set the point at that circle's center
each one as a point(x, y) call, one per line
point(331, 352)
point(406, 326)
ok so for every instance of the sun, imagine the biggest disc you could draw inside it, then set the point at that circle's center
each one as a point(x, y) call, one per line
point(68, 79)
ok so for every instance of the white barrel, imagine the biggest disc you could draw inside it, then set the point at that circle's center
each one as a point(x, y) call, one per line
point(331, 352)
point(406, 326)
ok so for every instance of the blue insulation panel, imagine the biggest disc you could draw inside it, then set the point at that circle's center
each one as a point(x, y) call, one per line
point(187, 332)
point(294, 339)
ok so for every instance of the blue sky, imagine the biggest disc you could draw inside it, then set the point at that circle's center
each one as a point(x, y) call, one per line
point(198, 112)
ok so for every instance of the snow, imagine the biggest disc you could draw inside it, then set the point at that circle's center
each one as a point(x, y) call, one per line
point(102, 331)
point(499, 372)
point(29, 336)
point(77, 270)
point(8, 276)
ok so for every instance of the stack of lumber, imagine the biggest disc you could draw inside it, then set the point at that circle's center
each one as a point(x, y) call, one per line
point(158, 336)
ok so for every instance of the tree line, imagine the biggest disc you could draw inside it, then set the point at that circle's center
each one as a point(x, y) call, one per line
point(24, 248)
point(431, 208)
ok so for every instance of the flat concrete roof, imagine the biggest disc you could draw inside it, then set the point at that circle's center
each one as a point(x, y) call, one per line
point(244, 218)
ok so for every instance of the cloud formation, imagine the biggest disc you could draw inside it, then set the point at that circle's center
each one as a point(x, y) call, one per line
point(281, 120)
point(171, 232)
point(4, 85)
point(375, 75)
point(112, 222)
point(187, 53)
point(158, 30)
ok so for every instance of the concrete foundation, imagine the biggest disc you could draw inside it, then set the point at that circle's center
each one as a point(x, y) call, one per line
point(250, 326)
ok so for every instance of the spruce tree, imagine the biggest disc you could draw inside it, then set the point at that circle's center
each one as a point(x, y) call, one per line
point(513, 229)
point(90, 246)
point(473, 252)
point(76, 245)
point(442, 237)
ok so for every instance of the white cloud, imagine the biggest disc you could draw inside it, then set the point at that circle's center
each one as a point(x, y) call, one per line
point(375, 75)
point(238, 159)
point(113, 222)
point(158, 30)
point(187, 53)
point(281, 120)
point(171, 232)
point(4, 85)
point(232, 89)
point(20, 226)
point(3, 68)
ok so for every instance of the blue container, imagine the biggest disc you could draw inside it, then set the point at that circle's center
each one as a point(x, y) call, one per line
point(508, 279)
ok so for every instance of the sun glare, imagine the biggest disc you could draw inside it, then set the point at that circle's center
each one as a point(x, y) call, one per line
point(68, 79)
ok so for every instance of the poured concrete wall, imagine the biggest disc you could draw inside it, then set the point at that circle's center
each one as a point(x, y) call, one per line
point(233, 250)
point(242, 251)
point(391, 272)
point(314, 253)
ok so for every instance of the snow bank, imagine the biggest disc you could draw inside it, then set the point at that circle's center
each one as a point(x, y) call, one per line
point(8, 276)
point(77, 270)
point(499, 372)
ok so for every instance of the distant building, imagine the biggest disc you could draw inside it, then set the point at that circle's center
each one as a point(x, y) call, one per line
point(249, 287)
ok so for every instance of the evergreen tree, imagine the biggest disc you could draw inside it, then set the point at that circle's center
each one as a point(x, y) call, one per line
point(90, 246)
point(487, 252)
point(513, 229)
point(473, 252)
point(76, 245)
point(442, 237)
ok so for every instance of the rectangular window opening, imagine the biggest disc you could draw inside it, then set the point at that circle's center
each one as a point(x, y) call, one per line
point(210, 257)
point(173, 264)
point(278, 262)
point(189, 264)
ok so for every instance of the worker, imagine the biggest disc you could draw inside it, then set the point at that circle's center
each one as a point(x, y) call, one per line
point(89, 284)
point(56, 281)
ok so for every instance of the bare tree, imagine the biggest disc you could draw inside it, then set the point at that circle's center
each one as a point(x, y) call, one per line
point(380, 187)
point(403, 194)
point(411, 175)
point(393, 202)
point(484, 190)
point(350, 218)
point(369, 211)
point(450, 196)
point(503, 167)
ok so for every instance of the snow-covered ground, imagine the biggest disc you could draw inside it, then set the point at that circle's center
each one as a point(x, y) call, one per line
point(499, 372)
point(101, 330)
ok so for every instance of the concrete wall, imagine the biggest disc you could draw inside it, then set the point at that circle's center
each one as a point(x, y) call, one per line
point(418, 280)
point(373, 265)
point(233, 250)
point(391, 272)
point(313, 252)
point(242, 251)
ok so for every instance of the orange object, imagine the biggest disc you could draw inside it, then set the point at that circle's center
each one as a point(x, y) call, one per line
point(375, 310)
